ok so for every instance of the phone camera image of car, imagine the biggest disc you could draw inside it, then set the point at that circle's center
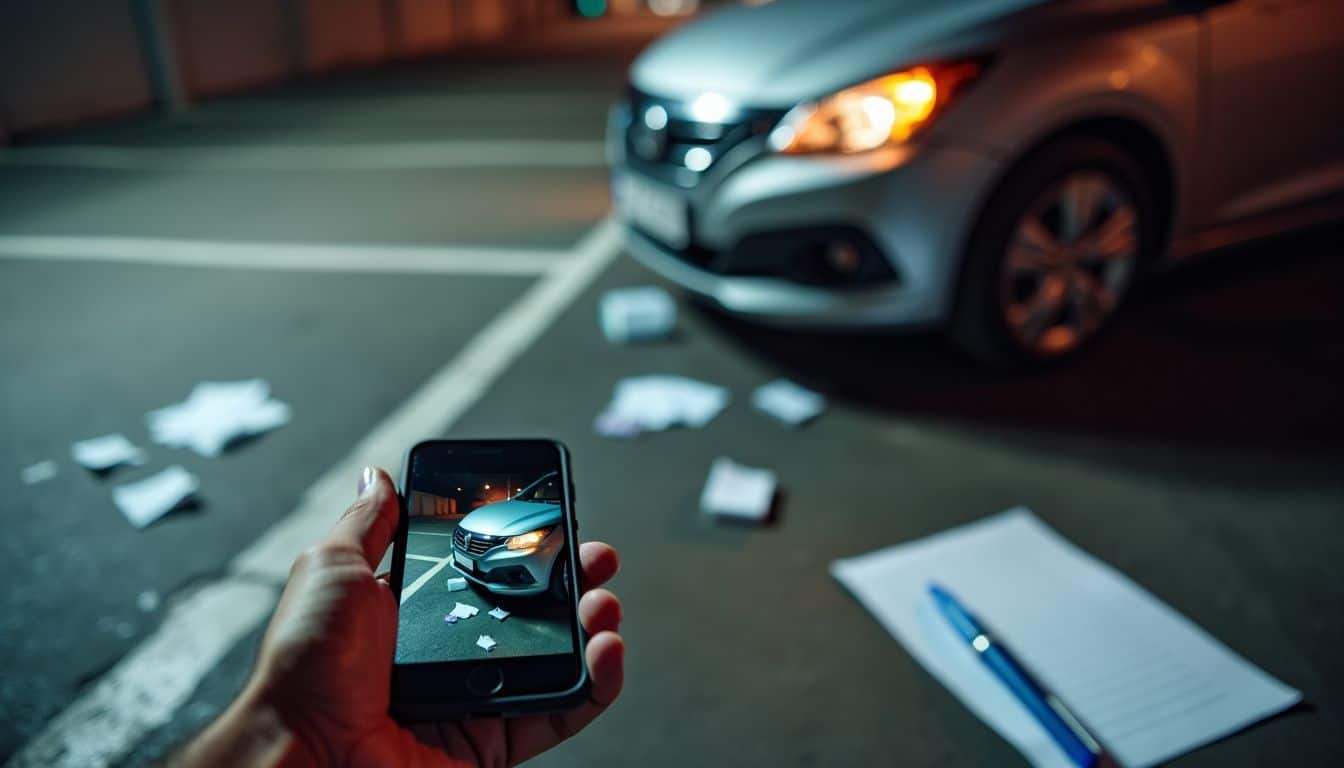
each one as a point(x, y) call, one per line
point(514, 547)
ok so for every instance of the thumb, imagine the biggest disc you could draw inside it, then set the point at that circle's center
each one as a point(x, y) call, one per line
point(371, 521)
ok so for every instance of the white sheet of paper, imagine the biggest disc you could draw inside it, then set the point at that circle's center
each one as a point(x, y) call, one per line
point(40, 472)
point(215, 414)
point(487, 642)
point(738, 491)
point(1147, 681)
point(464, 611)
point(103, 453)
point(145, 501)
point(499, 613)
point(645, 313)
point(788, 402)
point(657, 402)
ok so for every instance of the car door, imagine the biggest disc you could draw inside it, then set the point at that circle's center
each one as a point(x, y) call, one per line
point(1274, 106)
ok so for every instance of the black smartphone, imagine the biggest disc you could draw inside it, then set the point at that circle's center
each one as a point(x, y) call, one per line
point(485, 567)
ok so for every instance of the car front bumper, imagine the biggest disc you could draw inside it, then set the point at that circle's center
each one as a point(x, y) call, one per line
point(917, 204)
point(498, 569)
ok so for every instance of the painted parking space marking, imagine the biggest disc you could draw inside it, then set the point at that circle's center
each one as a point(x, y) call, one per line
point(383, 258)
point(362, 156)
point(105, 721)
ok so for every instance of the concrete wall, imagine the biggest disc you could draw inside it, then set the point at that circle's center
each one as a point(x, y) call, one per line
point(65, 60)
point(62, 61)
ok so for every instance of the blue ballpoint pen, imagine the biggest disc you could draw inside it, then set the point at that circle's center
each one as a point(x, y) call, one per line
point(1059, 722)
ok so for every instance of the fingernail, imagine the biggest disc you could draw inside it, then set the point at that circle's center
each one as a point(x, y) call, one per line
point(366, 479)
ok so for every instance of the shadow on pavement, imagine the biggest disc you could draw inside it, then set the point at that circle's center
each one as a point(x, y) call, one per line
point(1241, 355)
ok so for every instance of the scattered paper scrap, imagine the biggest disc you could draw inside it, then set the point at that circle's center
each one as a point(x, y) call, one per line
point(217, 413)
point(737, 491)
point(646, 313)
point(147, 601)
point(40, 472)
point(499, 613)
point(103, 453)
point(487, 642)
point(655, 403)
point(450, 618)
point(145, 501)
point(457, 584)
point(464, 611)
point(788, 402)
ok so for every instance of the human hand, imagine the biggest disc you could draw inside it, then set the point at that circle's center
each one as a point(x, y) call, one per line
point(322, 686)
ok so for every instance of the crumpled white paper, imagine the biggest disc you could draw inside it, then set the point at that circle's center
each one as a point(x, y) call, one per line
point(217, 413)
point(737, 491)
point(145, 501)
point(657, 402)
point(788, 402)
point(103, 453)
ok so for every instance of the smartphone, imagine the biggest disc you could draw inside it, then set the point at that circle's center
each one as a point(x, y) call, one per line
point(485, 567)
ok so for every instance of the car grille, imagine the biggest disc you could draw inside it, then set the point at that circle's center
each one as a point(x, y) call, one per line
point(475, 543)
point(662, 153)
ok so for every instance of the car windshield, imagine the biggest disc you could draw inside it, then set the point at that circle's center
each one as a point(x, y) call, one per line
point(546, 489)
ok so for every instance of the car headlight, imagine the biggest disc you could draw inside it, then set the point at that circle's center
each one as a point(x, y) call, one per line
point(883, 111)
point(528, 540)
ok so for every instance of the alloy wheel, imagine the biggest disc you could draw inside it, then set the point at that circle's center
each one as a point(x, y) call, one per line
point(1070, 259)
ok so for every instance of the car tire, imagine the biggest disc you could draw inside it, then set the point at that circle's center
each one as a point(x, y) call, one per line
point(1028, 299)
point(559, 587)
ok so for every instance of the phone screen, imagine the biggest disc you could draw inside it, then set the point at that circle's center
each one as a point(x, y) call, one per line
point(486, 574)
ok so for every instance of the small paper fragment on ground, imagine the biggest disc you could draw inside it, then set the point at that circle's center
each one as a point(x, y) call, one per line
point(487, 642)
point(145, 501)
point(147, 601)
point(658, 402)
point(788, 402)
point(457, 584)
point(40, 472)
point(499, 613)
point(215, 414)
point(645, 313)
point(738, 492)
point(103, 453)
point(450, 618)
point(464, 611)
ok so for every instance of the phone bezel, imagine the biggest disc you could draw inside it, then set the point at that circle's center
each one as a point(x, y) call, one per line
point(434, 690)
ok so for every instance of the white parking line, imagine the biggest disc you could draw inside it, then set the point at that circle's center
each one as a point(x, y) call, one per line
point(141, 691)
point(428, 533)
point(406, 155)
point(426, 558)
point(282, 256)
point(415, 586)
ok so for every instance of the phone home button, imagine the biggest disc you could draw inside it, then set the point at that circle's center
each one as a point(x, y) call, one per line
point(485, 680)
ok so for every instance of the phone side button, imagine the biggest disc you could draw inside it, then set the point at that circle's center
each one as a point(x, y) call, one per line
point(485, 680)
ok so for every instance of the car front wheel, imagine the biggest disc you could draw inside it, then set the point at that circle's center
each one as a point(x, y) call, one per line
point(559, 586)
point(1055, 252)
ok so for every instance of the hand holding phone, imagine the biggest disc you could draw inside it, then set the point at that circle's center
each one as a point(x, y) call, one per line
point(320, 692)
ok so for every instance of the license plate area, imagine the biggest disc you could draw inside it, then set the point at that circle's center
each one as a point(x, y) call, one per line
point(654, 209)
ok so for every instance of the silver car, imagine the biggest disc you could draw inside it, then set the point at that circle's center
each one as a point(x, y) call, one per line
point(1003, 168)
point(515, 547)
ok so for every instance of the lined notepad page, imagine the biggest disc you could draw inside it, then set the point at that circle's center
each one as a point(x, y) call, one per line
point(1148, 682)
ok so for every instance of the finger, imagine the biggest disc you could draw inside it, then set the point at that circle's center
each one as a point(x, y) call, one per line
point(605, 656)
point(598, 562)
point(599, 611)
point(371, 522)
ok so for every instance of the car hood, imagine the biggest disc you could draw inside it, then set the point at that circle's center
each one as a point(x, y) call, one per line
point(511, 518)
point(780, 53)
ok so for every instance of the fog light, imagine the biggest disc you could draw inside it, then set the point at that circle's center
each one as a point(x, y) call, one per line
point(843, 257)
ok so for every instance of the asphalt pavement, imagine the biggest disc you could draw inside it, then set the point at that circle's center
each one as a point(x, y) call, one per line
point(1197, 448)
